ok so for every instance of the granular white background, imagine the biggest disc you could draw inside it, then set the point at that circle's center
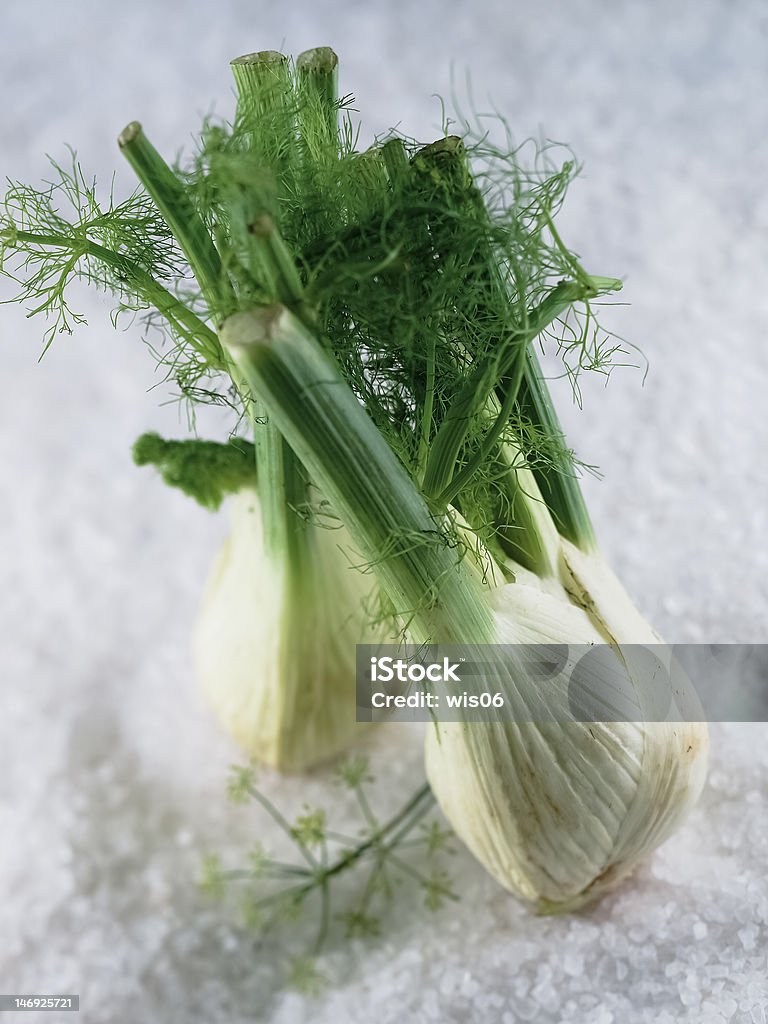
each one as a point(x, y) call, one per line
point(112, 772)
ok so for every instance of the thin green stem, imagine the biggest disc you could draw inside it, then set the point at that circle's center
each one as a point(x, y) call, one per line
point(423, 880)
point(485, 449)
point(298, 892)
point(365, 807)
point(427, 409)
point(272, 869)
point(418, 806)
point(370, 886)
point(578, 271)
point(278, 818)
point(325, 913)
point(340, 837)
point(557, 480)
point(400, 824)
point(473, 397)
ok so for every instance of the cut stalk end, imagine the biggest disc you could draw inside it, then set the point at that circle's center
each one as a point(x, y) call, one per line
point(606, 284)
point(243, 332)
point(129, 134)
point(261, 57)
point(319, 59)
point(262, 79)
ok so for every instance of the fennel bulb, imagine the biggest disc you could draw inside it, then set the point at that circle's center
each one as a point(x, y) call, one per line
point(274, 646)
point(559, 812)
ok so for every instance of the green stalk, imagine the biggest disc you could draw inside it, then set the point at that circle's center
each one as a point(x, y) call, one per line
point(398, 170)
point(271, 262)
point(283, 491)
point(444, 164)
point(524, 525)
point(263, 81)
point(187, 226)
point(279, 479)
point(557, 481)
point(431, 587)
point(265, 89)
point(264, 86)
point(507, 367)
point(288, 539)
point(318, 79)
point(396, 162)
point(180, 214)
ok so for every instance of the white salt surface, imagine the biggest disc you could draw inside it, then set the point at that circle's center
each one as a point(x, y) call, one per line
point(112, 780)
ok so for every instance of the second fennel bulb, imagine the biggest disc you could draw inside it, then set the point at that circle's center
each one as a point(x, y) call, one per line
point(275, 649)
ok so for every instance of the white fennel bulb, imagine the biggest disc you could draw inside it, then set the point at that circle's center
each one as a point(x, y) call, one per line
point(559, 810)
point(275, 648)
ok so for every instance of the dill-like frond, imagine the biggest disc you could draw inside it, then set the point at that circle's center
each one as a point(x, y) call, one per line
point(383, 854)
point(427, 271)
point(53, 236)
point(62, 232)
